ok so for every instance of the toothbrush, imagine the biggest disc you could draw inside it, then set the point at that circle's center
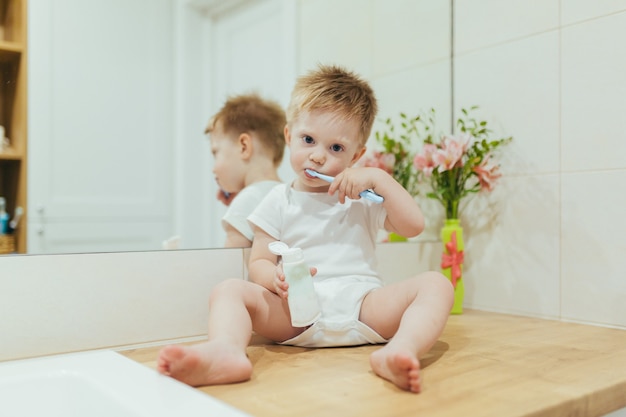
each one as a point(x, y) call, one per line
point(369, 194)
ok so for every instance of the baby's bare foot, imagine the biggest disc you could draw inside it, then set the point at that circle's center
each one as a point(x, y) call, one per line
point(209, 363)
point(399, 366)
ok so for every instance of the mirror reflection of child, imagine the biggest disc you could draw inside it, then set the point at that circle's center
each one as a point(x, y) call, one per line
point(247, 143)
point(329, 121)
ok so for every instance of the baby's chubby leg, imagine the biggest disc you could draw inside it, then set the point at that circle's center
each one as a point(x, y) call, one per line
point(413, 313)
point(235, 308)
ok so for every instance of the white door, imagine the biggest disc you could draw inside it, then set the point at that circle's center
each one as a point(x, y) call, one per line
point(100, 125)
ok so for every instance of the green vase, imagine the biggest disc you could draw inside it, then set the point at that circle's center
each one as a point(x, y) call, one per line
point(452, 260)
point(393, 237)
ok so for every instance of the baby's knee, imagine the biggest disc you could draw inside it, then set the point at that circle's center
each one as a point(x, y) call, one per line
point(443, 285)
point(228, 287)
point(437, 281)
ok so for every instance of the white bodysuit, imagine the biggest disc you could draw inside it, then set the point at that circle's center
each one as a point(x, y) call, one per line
point(340, 241)
point(244, 203)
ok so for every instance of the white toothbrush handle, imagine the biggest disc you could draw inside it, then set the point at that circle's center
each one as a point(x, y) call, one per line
point(326, 178)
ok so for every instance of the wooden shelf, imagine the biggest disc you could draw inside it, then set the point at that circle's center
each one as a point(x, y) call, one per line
point(10, 154)
point(13, 110)
point(10, 48)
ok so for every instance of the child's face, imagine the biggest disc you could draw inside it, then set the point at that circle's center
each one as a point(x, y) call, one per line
point(227, 166)
point(323, 143)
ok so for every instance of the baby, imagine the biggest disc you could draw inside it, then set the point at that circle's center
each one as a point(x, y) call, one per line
point(330, 117)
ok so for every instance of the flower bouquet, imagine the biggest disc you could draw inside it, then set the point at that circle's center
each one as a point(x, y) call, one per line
point(455, 166)
point(451, 166)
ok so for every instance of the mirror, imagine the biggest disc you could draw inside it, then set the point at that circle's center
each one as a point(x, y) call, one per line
point(117, 158)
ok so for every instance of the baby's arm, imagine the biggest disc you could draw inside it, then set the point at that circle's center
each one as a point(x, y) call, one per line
point(262, 268)
point(404, 215)
point(234, 238)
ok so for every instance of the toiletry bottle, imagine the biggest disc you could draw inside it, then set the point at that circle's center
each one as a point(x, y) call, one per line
point(303, 303)
point(4, 217)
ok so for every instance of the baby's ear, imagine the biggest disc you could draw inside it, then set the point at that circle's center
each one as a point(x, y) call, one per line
point(245, 144)
point(287, 135)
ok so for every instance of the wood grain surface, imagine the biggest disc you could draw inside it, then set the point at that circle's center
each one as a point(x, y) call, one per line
point(485, 364)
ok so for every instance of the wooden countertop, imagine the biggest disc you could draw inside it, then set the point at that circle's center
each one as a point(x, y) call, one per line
point(485, 364)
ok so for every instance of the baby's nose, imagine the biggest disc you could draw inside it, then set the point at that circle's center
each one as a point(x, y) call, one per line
point(317, 157)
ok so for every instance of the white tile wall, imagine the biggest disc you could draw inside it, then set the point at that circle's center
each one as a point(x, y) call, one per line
point(416, 89)
point(594, 94)
point(401, 46)
point(512, 263)
point(407, 33)
point(331, 32)
point(480, 23)
point(556, 248)
point(516, 85)
point(573, 11)
point(593, 247)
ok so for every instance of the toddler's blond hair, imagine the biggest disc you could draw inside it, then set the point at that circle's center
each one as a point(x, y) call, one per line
point(249, 113)
point(331, 88)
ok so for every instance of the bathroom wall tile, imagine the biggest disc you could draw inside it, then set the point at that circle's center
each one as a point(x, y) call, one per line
point(407, 33)
point(479, 23)
point(573, 11)
point(332, 32)
point(413, 91)
point(516, 86)
point(512, 247)
point(593, 94)
point(593, 246)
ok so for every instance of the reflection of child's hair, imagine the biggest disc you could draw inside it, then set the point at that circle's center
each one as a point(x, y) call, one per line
point(334, 89)
point(251, 113)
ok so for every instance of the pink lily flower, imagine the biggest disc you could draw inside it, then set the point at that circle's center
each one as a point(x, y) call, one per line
point(450, 153)
point(424, 161)
point(487, 174)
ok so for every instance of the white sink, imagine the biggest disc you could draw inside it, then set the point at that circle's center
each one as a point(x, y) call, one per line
point(98, 384)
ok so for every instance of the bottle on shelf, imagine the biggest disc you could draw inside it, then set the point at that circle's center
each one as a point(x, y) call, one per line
point(4, 217)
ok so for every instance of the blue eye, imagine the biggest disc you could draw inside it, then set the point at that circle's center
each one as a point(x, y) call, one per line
point(336, 148)
point(308, 139)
